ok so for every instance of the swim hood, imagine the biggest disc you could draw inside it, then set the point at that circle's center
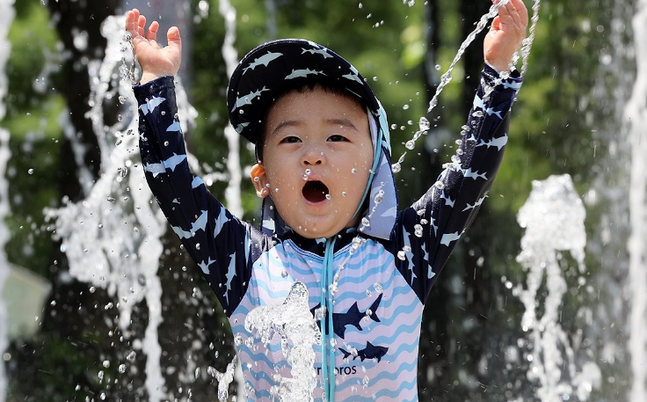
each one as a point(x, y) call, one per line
point(265, 72)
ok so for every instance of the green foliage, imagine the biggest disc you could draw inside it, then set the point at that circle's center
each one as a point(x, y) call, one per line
point(33, 111)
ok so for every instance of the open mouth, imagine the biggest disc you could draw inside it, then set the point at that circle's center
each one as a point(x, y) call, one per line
point(314, 191)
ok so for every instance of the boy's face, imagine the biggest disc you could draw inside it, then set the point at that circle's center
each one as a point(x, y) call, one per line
point(317, 153)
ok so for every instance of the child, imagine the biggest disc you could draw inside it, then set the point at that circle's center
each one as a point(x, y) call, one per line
point(330, 215)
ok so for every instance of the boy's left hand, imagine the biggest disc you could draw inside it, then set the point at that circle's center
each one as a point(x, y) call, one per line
point(506, 35)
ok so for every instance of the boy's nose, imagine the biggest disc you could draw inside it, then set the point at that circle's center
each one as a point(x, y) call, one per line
point(313, 157)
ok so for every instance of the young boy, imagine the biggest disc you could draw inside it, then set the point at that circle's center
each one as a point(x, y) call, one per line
point(330, 215)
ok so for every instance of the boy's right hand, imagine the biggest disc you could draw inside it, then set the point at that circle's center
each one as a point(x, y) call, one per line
point(155, 61)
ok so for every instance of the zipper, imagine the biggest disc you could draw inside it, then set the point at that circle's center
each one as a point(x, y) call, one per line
point(327, 329)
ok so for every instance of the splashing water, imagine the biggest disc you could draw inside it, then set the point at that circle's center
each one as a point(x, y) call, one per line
point(295, 325)
point(635, 116)
point(480, 26)
point(553, 217)
point(6, 17)
point(112, 238)
point(224, 379)
point(230, 55)
point(446, 78)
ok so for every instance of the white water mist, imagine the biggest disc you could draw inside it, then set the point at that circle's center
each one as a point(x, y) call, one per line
point(553, 217)
point(635, 114)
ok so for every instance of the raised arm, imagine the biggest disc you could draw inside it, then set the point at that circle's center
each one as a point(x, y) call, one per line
point(218, 242)
point(429, 230)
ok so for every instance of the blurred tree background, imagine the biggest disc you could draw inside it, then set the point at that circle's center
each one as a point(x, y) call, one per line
point(568, 98)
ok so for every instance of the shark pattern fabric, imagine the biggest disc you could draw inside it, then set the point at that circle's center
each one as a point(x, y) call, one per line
point(382, 288)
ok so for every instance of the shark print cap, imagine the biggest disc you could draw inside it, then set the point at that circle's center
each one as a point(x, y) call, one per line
point(265, 72)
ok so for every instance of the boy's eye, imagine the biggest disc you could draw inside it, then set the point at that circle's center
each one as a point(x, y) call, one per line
point(337, 138)
point(290, 140)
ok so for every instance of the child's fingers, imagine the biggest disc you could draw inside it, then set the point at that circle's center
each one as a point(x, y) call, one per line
point(521, 10)
point(518, 21)
point(132, 17)
point(141, 23)
point(496, 23)
point(173, 38)
point(510, 17)
point(151, 34)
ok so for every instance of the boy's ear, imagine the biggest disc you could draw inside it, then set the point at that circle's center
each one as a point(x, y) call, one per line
point(259, 179)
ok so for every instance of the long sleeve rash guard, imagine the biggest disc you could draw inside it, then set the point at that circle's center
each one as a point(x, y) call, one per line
point(383, 285)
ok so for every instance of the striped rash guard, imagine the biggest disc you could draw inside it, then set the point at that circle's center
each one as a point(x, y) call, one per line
point(382, 284)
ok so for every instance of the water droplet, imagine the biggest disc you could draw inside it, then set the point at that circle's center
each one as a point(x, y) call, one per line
point(405, 107)
point(131, 356)
point(122, 368)
point(328, 197)
point(343, 194)
point(30, 171)
point(438, 67)
point(424, 124)
point(366, 222)
point(378, 287)
point(353, 171)
point(106, 363)
point(238, 339)
point(396, 167)
point(410, 145)
point(401, 255)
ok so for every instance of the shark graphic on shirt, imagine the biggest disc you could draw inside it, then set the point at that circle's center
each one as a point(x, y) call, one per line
point(352, 317)
point(369, 352)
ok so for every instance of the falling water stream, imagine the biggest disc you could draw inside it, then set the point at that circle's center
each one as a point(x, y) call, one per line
point(636, 116)
point(6, 17)
point(112, 237)
point(553, 218)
